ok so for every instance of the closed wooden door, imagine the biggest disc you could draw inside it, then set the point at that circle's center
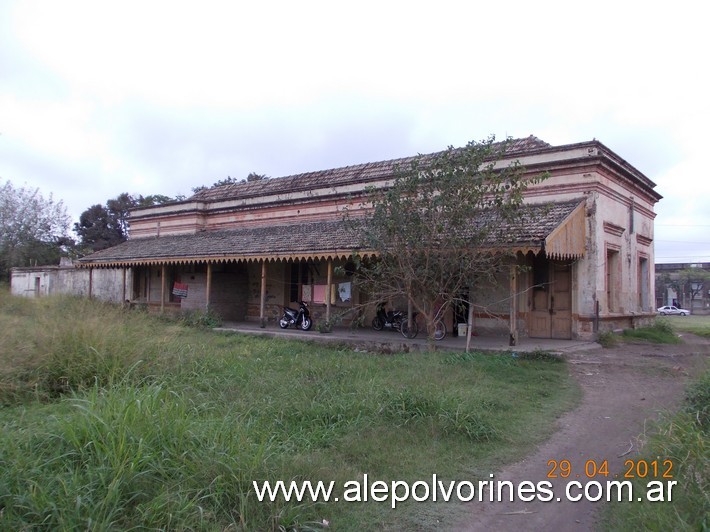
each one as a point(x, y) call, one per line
point(561, 301)
point(551, 315)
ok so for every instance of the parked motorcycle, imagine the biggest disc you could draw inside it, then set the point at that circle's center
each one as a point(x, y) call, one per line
point(394, 320)
point(298, 318)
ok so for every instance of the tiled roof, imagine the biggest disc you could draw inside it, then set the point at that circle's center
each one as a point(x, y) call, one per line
point(278, 241)
point(536, 222)
point(308, 240)
point(338, 176)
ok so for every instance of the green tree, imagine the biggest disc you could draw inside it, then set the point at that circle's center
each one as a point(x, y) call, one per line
point(433, 229)
point(253, 176)
point(33, 230)
point(104, 226)
point(98, 229)
point(229, 180)
point(118, 210)
point(689, 284)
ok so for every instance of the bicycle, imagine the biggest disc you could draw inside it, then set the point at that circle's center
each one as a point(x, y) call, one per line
point(409, 330)
point(440, 330)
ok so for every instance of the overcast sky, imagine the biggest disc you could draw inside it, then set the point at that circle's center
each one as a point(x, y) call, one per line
point(99, 98)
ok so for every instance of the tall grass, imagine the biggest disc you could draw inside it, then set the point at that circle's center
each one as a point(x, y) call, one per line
point(132, 455)
point(117, 420)
point(661, 332)
point(53, 345)
point(683, 438)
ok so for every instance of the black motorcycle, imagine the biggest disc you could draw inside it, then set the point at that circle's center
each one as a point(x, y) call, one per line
point(298, 318)
point(394, 320)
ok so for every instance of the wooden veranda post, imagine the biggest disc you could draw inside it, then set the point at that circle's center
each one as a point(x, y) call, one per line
point(123, 287)
point(91, 282)
point(329, 290)
point(208, 289)
point(262, 301)
point(469, 328)
point(513, 305)
point(162, 288)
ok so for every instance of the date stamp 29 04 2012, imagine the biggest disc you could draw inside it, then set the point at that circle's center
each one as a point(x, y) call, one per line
point(592, 469)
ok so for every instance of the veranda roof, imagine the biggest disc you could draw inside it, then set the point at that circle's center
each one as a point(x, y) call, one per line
point(558, 228)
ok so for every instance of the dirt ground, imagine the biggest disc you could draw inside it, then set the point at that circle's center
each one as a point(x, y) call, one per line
point(623, 389)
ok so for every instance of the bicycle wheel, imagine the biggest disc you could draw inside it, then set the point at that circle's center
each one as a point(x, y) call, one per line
point(409, 330)
point(439, 330)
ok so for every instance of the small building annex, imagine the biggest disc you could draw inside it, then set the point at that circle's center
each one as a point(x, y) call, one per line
point(246, 250)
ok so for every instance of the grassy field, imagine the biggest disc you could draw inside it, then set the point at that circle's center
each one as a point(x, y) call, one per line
point(113, 419)
point(665, 330)
point(699, 325)
point(682, 437)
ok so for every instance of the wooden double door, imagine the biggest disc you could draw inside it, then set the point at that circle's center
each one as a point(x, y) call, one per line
point(551, 315)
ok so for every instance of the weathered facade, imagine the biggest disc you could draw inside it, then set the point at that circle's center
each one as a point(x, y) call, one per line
point(247, 250)
point(105, 284)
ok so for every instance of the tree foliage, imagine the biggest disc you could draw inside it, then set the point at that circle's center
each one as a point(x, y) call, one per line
point(687, 283)
point(434, 228)
point(98, 229)
point(104, 226)
point(33, 229)
point(229, 180)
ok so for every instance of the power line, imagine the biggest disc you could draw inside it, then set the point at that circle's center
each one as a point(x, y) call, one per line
point(686, 258)
point(681, 225)
point(684, 242)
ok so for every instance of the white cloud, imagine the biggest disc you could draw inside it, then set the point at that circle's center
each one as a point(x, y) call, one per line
point(158, 97)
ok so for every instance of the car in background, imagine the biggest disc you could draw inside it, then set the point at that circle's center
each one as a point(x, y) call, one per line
point(670, 310)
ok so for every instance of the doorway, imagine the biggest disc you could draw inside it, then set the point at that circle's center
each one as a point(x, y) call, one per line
point(551, 315)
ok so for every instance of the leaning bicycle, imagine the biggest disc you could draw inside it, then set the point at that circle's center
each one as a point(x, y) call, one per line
point(439, 330)
point(409, 328)
point(395, 320)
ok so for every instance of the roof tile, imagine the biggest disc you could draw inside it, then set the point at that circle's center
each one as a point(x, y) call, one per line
point(337, 176)
point(311, 238)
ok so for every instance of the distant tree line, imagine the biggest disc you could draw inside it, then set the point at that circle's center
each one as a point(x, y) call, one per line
point(229, 180)
point(34, 230)
point(104, 226)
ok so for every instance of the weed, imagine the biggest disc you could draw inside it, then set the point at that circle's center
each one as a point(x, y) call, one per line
point(681, 438)
point(698, 324)
point(116, 419)
point(461, 358)
point(661, 332)
point(539, 354)
point(201, 318)
point(608, 339)
point(697, 401)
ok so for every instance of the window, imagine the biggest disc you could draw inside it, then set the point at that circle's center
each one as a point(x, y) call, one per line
point(612, 279)
point(643, 284)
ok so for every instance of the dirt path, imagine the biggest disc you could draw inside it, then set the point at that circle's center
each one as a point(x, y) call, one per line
point(623, 387)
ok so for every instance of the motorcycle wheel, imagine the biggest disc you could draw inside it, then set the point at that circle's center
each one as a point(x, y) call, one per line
point(283, 323)
point(377, 324)
point(409, 329)
point(306, 324)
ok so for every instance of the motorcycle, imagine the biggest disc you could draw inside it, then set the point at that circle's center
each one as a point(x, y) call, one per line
point(298, 318)
point(394, 320)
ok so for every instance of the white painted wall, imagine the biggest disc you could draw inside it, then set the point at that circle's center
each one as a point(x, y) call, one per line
point(106, 284)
